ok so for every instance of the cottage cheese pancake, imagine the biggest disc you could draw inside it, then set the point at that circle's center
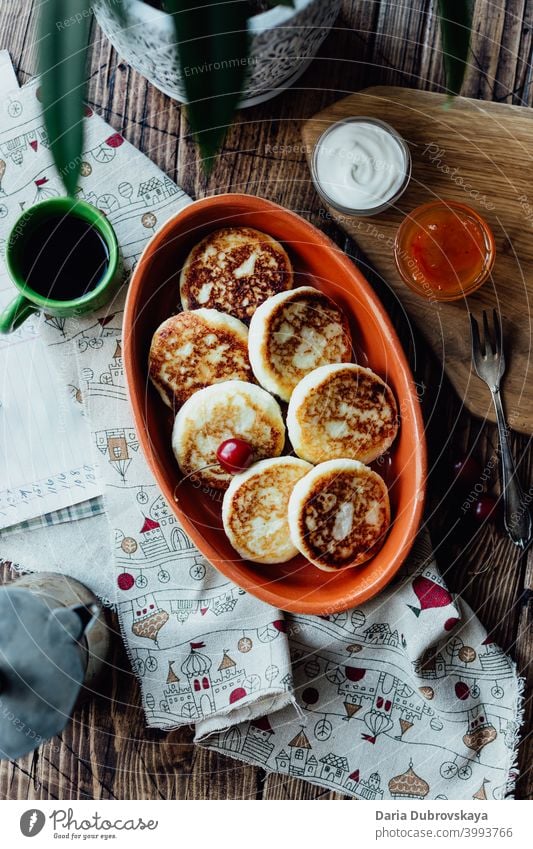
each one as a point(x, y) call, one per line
point(293, 333)
point(254, 511)
point(192, 350)
point(342, 410)
point(219, 412)
point(339, 514)
point(234, 270)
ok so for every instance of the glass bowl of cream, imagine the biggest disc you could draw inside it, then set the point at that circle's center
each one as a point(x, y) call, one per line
point(361, 166)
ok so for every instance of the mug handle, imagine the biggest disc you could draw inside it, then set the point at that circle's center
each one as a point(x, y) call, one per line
point(15, 313)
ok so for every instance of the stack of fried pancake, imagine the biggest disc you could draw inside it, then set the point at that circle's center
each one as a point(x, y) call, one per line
point(342, 411)
point(293, 333)
point(234, 270)
point(255, 510)
point(192, 350)
point(220, 378)
point(233, 409)
point(339, 514)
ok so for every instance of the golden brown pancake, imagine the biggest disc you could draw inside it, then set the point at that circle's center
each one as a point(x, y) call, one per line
point(342, 411)
point(212, 415)
point(234, 270)
point(293, 333)
point(339, 514)
point(192, 350)
point(254, 510)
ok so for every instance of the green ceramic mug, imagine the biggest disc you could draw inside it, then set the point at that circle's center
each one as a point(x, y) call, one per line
point(19, 241)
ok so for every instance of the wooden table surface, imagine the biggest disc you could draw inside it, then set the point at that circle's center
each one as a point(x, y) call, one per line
point(106, 752)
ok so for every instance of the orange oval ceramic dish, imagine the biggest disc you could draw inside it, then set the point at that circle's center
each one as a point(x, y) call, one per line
point(153, 294)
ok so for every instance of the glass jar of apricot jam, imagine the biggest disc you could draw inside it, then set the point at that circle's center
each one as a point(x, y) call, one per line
point(444, 250)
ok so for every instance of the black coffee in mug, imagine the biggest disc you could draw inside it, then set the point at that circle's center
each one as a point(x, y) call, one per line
point(63, 257)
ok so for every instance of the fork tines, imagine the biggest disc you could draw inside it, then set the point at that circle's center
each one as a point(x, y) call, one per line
point(491, 345)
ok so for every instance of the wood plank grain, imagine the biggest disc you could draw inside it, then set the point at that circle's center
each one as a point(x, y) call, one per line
point(107, 752)
point(473, 154)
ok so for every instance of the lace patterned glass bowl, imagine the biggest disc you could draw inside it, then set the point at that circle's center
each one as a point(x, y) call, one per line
point(283, 41)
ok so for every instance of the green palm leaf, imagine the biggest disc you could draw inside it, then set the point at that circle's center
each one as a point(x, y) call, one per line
point(63, 34)
point(213, 48)
point(213, 55)
point(455, 25)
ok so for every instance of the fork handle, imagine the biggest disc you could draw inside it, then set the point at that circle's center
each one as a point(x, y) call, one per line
point(517, 518)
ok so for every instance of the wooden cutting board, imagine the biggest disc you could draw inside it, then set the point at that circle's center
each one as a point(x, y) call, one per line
point(481, 154)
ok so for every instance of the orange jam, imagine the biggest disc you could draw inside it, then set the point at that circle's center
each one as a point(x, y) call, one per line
point(444, 250)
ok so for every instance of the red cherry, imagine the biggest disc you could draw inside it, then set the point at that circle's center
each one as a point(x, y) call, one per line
point(125, 581)
point(451, 623)
point(234, 455)
point(485, 509)
point(466, 472)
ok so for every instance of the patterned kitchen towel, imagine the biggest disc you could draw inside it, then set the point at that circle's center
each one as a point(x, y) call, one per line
point(171, 603)
point(403, 698)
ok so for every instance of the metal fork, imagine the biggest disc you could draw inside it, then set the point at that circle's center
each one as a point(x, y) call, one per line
point(489, 362)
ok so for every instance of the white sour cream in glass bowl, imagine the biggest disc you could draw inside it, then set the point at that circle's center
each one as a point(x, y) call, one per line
point(361, 166)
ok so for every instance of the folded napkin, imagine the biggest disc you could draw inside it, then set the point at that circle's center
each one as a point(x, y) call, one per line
point(403, 698)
